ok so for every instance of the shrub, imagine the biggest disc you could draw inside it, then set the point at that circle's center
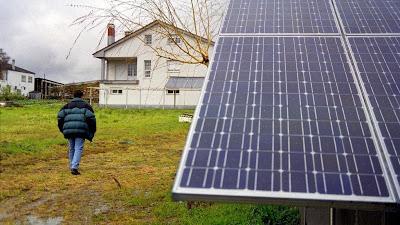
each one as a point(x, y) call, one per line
point(277, 215)
point(7, 95)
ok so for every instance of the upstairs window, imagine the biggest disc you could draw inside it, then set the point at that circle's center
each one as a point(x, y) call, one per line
point(147, 68)
point(173, 66)
point(174, 39)
point(148, 39)
point(23, 78)
point(132, 70)
point(30, 79)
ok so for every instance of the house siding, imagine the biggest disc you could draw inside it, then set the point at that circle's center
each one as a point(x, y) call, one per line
point(13, 79)
point(151, 91)
point(157, 98)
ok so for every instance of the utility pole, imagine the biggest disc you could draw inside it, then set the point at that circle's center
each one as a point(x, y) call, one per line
point(45, 86)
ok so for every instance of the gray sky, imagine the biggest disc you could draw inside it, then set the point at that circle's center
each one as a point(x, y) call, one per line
point(38, 35)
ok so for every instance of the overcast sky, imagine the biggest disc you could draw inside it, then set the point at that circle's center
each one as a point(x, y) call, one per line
point(38, 35)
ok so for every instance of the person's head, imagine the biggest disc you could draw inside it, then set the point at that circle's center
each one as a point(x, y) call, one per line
point(78, 94)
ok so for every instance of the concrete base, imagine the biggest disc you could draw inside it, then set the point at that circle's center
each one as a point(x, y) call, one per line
point(315, 216)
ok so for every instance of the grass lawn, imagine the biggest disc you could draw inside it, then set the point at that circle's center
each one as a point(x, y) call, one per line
point(139, 149)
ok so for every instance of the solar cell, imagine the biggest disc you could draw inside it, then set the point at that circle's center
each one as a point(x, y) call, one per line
point(281, 117)
point(370, 16)
point(378, 61)
point(277, 16)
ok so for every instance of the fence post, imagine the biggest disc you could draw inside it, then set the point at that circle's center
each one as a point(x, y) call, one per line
point(174, 98)
point(126, 98)
point(164, 95)
point(106, 97)
point(90, 96)
point(140, 98)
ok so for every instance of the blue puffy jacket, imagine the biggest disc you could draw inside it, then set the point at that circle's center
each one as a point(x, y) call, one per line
point(77, 119)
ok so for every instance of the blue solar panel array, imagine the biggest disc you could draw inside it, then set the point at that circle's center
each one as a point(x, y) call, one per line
point(370, 16)
point(378, 61)
point(276, 16)
point(290, 106)
point(284, 119)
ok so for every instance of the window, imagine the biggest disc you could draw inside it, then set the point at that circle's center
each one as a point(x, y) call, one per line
point(173, 66)
point(29, 79)
point(147, 68)
point(148, 39)
point(23, 78)
point(132, 70)
point(172, 92)
point(116, 91)
point(174, 39)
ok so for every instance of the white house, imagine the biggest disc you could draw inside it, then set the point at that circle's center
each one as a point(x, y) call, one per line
point(132, 75)
point(18, 79)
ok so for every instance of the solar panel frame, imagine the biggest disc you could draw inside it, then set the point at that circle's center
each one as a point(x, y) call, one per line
point(356, 58)
point(180, 193)
point(224, 194)
point(347, 36)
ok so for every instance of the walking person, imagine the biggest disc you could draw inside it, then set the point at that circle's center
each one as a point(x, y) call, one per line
point(76, 120)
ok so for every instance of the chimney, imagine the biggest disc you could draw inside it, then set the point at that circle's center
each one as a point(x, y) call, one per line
point(110, 33)
point(13, 64)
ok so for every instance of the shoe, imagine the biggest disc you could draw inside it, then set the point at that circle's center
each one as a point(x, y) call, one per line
point(75, 172)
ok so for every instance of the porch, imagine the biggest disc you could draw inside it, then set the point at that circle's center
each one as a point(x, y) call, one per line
point(119, 69)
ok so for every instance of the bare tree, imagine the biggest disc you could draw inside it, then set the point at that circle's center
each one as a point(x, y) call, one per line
point(192, 23)
point(4, 58)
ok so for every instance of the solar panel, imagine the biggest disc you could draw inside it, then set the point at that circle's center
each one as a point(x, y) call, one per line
point(276, 16)
point(282, 116)
point(370, 16)
point(378, 60)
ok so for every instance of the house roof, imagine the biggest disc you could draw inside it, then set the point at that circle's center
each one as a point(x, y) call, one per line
point(7, 66)
point(142, 29)
point(39, 79)
point(83, 83)
point(185, 82)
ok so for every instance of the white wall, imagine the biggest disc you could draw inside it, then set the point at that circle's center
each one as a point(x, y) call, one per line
point(146, 98)
point(14, 79)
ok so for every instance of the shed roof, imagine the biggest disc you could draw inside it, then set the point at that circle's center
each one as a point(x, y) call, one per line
point(185, 82)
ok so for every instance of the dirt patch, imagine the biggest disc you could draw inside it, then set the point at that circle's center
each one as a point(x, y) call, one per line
point(101, 209)
point(11, 207)
point(34, 220)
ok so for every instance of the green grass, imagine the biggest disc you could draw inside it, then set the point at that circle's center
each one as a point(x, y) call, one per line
point(139, 148)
